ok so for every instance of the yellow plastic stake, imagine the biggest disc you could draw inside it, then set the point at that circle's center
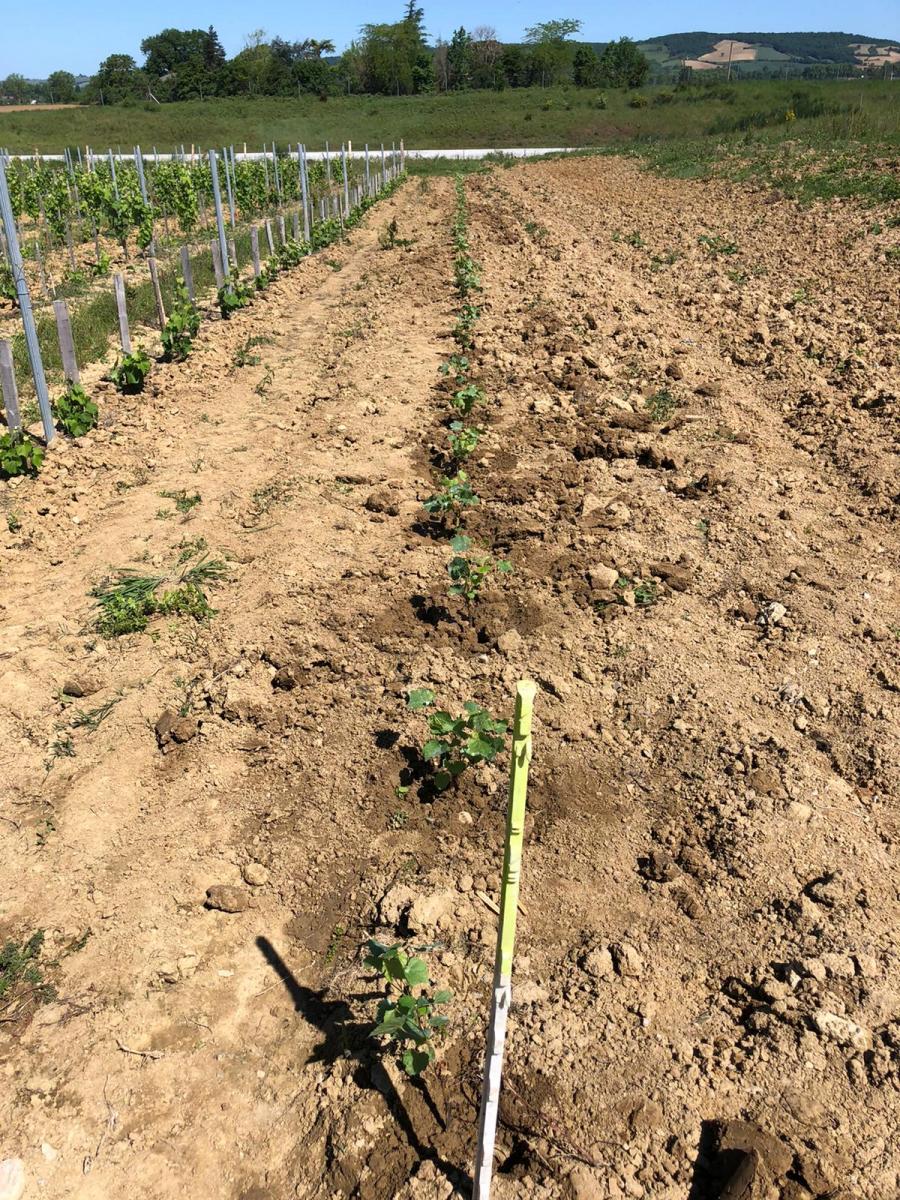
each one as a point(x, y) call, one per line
point(506, 939)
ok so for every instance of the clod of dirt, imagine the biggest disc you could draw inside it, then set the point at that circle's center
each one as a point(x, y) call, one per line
point(584, 1185)
point(626, 960)
point(676, 575)
point(765, 781)
point(285, 679)
point(255, 874)
point(171, 728)
point(660, 866)
point(383, 500)
point(746, 1161)
point(225, 898)
point(80, 686)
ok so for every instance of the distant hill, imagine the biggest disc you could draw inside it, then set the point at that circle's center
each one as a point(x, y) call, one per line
point(756, 51)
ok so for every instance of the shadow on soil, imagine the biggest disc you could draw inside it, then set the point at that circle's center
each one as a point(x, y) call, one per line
point(346, 1038)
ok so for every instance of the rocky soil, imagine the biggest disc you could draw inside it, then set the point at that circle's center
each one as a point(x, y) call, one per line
point(690, 460)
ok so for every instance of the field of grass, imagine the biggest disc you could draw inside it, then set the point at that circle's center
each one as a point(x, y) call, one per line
point(868, 111)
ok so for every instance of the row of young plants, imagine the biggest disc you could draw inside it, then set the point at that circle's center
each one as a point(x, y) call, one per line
point(81, 203)
point(406, 1017)
point(76, 414)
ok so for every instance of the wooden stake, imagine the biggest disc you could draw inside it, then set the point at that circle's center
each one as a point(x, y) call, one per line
point(8, 387)
point(66, 341)
point(157, 293)
point(122, 310)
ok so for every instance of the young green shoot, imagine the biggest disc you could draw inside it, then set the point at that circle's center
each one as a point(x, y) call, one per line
point(468, 574)
point(470, 738)
point(406, 1017)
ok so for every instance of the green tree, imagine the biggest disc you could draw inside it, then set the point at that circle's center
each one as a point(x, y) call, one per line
point(623, 65)
point(551, 49)
point(585, 67)
point(61, 88)
point(514, 66)
point(166, 52)
point(15, 88)
point(487, 53)
point(459, 61)
point(118, 78)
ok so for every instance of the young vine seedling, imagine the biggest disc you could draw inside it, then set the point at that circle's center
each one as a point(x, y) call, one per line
point(74, 412)
point(463, 440)
point(455, 495)
point(404, 1017)
point(465, 398)
point(19, 455)
point(182, 326)
point(457, 742)
point(469, 574)
point(130, 372)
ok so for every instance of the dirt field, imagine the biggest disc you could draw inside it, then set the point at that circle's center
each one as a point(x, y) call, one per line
point(691, 462)
point(33, 107)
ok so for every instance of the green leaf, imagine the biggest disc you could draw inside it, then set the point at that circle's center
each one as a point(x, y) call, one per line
point(504, 566)
point(442, 780)
point(434, 749)
point(442, 722)
point(443, 996)
point(458, 568)
point(419, 698)
point(438, 1022)
point(471, 707)
point(416, 972)
point(460, 543)
point(415, 1061)
point(479, 747)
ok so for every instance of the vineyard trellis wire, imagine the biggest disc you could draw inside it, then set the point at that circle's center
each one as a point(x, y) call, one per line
point(67, 222)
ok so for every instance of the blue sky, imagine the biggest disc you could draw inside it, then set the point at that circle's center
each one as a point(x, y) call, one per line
point(76, 36)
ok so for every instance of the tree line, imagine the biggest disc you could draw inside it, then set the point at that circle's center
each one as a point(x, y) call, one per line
point(387, 59)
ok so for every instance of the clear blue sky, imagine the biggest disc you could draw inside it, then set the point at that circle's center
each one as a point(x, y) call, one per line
point(72, 36)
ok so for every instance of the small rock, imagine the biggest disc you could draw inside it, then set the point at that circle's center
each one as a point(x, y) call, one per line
point(465, 883)
point(80, 686)
point(603, 577)
point(772, 614)
point(12, 1179)
point(584, 1185)
point(841, 1030)
point(49, 1152)
point(676, 575)
point(510, 641)
point(626, 960)
point(227, 899)
point(465, 818)
point(840, 966)
point(255, 874)
point(799, 812)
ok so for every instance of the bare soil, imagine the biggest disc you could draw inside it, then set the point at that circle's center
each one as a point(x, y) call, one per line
point(691, 461)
